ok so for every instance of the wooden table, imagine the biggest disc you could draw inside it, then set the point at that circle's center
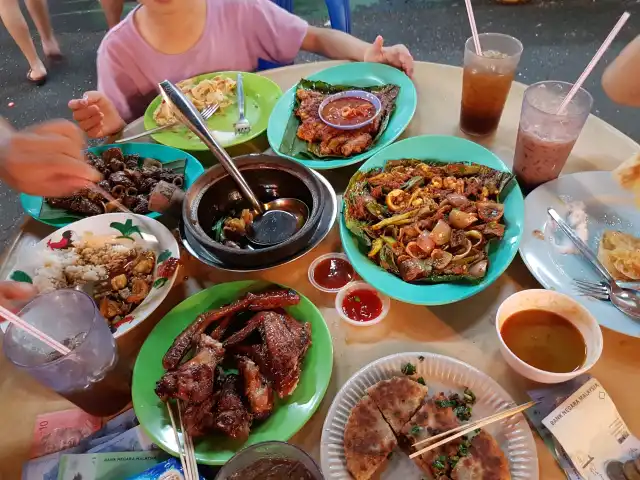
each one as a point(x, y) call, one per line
point(463, 330)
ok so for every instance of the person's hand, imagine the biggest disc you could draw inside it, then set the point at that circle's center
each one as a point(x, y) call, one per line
point(96, 115)
point(14, 295)
point(397, 55)
point(46, 159)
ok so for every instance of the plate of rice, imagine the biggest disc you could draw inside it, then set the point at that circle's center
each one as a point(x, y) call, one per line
point(128, 263)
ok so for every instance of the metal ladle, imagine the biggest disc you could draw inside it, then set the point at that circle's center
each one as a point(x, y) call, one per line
point(275, 221)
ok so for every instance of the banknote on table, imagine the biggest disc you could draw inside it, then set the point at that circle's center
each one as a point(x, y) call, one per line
point(593, 434)
point(133, 440)
point(107, 466)
point(61, 430)
point(549, 398)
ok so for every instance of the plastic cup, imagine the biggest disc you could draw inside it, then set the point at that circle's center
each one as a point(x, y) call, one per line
point(486, 81)
point(252, 457)
point(545, 139)
point(355, 286)
point(91, 375)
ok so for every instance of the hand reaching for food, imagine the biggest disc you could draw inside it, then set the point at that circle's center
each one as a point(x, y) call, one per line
point(397, 55)
point(14, 295)
point(96, 115)
point(46, 159)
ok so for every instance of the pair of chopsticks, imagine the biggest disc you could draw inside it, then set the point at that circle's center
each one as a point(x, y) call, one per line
point(27, 327)
point(185, 448)
point(470, 427)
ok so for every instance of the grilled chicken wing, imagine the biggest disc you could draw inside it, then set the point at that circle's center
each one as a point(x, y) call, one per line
point(256, 389)
point(231, 416)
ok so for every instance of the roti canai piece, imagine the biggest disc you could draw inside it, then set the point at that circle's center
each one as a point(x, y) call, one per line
point(485, 461)
point(627, 174)
point(368, 440)
point(398, 399)
point(620, 254)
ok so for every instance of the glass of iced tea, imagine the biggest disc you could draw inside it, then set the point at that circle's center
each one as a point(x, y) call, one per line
point(486, 81)
point(92, 375)
point(546, 137)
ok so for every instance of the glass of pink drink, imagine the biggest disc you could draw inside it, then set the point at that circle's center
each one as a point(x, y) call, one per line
point(546, 137)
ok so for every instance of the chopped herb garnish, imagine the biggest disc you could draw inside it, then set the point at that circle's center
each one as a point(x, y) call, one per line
point(356, 299)
point(463, 412)
point(440, 463)
point(390, 455)
point(453, 461)
point(415, 430)
point(408, 369)
point(421, 358)
point(445, 403)
point(469, 396)
point(463, 448)
point(421, 381)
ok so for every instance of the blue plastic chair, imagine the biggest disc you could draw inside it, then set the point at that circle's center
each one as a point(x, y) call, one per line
point(339, 16)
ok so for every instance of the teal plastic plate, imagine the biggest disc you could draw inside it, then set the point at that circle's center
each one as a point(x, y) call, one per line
point(358, 74)
point(445, 149)
point(193, 170)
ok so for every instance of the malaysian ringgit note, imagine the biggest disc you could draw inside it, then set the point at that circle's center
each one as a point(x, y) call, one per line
point(61, 430)
point(107, 466)
point(133, 440)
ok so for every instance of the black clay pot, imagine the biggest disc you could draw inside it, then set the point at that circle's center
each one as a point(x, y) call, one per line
point(214, 194)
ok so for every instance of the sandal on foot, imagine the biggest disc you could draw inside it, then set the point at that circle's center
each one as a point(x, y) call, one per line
point(36, 81)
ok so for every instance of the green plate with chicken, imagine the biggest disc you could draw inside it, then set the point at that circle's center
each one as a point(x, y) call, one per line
point(432, 220)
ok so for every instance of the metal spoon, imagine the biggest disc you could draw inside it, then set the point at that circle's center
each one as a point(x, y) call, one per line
point(276, 221)
point(626, 300)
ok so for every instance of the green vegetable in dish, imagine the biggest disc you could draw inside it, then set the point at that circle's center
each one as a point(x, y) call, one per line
point(408, 369)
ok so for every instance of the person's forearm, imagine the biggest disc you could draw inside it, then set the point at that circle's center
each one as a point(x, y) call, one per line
point(620, 79)
point(334, 44)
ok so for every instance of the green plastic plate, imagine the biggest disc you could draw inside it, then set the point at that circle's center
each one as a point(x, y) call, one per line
point(289, 415)
point(445, 149)
point(193, 169)
point(261, 94)
point(358, 74)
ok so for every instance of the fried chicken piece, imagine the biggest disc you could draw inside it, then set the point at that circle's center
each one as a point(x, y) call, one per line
point(231, 416)
point(256, 302)
point(256, 389)
point(77, 203)
point(286, 341)
point(193, 380)
point(198, 418)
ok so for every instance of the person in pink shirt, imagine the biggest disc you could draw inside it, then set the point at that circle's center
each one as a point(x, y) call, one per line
point(178, 39)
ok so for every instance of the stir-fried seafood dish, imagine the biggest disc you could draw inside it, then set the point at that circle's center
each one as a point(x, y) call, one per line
point(427, 221)
point(121, 272)
point(218, 90)
point(253, 335)
point(324, 140)
point(397, 412)
point(128, 178)
point(231, 230)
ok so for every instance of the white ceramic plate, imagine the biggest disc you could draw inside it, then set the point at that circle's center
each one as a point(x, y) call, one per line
point(441, 374)
point(608, 208)
point(150, 234)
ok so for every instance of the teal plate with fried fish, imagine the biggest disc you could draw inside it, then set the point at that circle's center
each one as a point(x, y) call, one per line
point(358, 75)
point(445, 149)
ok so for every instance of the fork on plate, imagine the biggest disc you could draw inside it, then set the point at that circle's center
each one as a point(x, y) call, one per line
point(243, 125)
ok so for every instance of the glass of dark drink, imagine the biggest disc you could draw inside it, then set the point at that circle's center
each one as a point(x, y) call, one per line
point(486, 81)
point(92, 375)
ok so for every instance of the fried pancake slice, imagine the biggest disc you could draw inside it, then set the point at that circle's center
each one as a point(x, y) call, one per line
point(368, 440)
point(398, 398)
point(485, 461)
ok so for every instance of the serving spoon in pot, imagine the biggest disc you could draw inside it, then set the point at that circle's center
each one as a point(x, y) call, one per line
point(275, 221)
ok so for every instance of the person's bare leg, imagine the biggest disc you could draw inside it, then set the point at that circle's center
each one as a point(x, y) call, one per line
point(17, 27)
point(113, 11)
point(39, 11)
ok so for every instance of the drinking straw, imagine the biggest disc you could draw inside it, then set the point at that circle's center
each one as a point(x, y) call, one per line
point(596, 58)
point(27, 327)
point(474, 29)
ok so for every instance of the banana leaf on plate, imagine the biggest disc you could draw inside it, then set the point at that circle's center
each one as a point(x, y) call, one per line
point(296, 147)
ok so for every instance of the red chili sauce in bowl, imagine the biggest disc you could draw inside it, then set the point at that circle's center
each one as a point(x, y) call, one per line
point(333, 273)
point(348, 111)
point(362, 305)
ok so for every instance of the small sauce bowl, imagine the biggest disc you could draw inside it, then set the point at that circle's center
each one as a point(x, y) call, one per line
point(340, 276)
point(563, 305)
point(349, 296)
point(361, 94)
